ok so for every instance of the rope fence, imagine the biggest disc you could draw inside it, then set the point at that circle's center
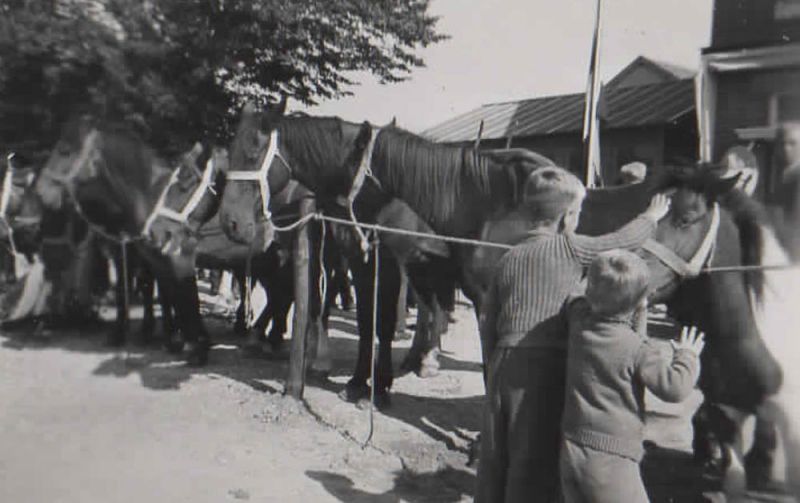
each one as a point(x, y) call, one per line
point(489, 244)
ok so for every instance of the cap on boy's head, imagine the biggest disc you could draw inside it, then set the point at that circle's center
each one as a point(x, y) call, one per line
point(618, 280)
point(551, 191)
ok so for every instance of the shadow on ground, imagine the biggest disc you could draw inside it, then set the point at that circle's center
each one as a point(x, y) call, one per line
point(445, 486)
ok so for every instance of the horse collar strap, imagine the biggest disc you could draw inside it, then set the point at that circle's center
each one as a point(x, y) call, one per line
point(364, 170)
point(694, 266)
point(182, 216)
point(83, 155)
point(262, 175)
point(5, 195)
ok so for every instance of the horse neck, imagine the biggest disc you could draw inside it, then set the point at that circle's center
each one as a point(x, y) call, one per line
point(317, 150)
point(605, 210)
point(451, 188)
point(136, 186)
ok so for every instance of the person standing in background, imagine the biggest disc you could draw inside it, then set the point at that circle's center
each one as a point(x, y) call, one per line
point(633, 172)
point(739, 160)
point(788, 194)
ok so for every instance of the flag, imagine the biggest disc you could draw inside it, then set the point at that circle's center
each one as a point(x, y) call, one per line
point(591, 119)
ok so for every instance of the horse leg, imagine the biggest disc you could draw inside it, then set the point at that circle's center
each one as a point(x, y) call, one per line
point(147, 286)
point(187, 310)
point(240, 325)
point(421, 340)
point(429, 365)
point(760, 460)
point(389, 289)
point(116, 337)
point(356, 388)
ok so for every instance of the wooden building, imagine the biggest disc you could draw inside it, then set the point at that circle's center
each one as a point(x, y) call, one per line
point(647, 114)
point(750, 80)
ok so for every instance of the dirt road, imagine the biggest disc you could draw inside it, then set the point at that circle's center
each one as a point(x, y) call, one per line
point(81, 423)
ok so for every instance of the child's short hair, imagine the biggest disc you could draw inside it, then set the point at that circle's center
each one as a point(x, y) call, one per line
point(550, 192)
point(618, 281)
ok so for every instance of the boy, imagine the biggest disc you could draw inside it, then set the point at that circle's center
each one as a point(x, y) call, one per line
point(523, 334)
point(608, 366)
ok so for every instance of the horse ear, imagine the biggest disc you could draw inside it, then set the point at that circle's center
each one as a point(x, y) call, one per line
point(394, 121)
point(277, 110)
point(363, 137)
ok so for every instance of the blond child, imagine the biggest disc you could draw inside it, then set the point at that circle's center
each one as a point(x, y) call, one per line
point(610, 363)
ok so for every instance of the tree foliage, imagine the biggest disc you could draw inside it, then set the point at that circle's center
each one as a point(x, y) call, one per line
point(183, 67)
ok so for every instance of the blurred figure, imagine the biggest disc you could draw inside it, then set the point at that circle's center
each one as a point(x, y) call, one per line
point(739, 160)
point(633, 172)
point(788, 195)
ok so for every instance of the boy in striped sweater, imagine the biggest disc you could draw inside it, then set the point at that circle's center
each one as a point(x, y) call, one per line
point(524, 337)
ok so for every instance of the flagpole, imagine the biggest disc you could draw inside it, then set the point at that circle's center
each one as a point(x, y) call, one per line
point(591, 132)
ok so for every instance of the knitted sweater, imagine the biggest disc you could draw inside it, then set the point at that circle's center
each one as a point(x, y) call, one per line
point(524, 305)
point(608, 367)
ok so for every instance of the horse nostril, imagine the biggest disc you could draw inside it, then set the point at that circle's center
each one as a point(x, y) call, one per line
point(234, 226)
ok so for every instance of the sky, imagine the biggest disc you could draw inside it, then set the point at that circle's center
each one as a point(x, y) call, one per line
point(503, 50)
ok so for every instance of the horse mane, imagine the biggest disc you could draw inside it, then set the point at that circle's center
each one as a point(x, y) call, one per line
point(429, 176)
point(750, 217)
point(131, 160)
point(315, 141)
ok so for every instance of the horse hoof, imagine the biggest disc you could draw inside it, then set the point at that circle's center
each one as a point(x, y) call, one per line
point(427, 371)
point(239, 328)
point(352, 393)
point(198, 357)
point(383, 401)
point(411, 363)
point(174, 347)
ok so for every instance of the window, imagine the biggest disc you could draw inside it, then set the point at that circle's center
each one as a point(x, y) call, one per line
point(787, 9)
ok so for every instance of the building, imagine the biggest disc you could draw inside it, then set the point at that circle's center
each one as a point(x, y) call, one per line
point(750, 80)
point(647, 114)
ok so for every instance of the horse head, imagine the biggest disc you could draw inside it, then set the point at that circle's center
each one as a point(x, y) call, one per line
point(73, 151)
point(20, 207)
point(691, 228)
point(254, 175)
point(190, 198)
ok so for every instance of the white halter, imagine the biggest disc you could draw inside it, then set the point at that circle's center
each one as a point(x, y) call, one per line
point(701, 257)
point(5, 192)
point(182, 216)
point(262, 175)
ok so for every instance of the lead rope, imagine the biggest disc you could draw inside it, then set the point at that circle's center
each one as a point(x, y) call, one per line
point(248, 288)
point(373, 359)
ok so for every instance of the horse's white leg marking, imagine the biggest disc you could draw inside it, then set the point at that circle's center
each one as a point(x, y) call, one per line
point(778, 319)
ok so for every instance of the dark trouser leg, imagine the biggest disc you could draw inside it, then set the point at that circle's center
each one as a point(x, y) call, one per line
point(523, 429)
point(761, 458)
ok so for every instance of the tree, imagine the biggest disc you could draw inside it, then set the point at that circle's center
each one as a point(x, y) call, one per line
point(186, 66)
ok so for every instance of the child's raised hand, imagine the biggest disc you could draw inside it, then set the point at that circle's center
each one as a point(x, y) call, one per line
point(659, 207)
point(691, 339)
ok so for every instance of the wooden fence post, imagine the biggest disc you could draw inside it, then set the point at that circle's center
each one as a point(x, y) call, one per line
point(300, 324)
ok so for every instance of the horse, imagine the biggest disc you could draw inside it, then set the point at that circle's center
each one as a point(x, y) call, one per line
point(112, 180)
point(186, 221)
point(321, 154)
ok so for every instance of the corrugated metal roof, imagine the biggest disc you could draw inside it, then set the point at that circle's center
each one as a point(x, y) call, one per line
point(620, 108)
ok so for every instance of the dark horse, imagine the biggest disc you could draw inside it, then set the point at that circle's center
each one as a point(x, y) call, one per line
point(459, 190)
point(114, 181)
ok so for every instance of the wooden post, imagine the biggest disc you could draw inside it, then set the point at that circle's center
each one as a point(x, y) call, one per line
point(300, 324)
